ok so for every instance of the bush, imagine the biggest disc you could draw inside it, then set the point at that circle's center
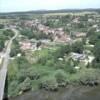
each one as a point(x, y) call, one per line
point(49, 83)
point(25, 85)
point(69, 66)
point(1, 26)
point(96, 51)
point(61, 77)
point(1, 45)
point(93, 39)
point(21, 75)
point(77, 47)
point(15, 49)
point(33, 74)
point(50, 63)
point(61, 51)
point(42, 61)
point(9, 33)
point(12, 88)
point(96, 64)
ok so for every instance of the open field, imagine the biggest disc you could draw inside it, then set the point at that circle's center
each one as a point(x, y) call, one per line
point(3, 21)
point(68, 13)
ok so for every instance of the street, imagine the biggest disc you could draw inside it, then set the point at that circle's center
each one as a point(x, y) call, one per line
point(3, 71)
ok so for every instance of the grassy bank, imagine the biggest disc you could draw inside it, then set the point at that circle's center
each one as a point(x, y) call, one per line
point(43, 69)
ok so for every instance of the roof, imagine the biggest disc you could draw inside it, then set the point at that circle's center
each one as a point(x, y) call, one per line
point(78, 56)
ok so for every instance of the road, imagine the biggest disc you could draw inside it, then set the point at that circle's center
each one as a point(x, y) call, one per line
point(3, 71)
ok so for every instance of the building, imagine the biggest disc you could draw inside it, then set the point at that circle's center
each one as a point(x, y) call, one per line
point(80, 34)
point(77, 56)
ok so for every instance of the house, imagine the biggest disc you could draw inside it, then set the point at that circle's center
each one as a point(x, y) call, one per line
point(80, 34)
point(27, 45)
point(97, 30)
point(77, 67)
point(41, 27)
point(45, 41)
point(12, 26)
point(90, 20)
point(76, 20)
point(60, 29)
point(62, 38)
point(95, 26)
point(77, 56)
point(52, 31)
point(28, 23)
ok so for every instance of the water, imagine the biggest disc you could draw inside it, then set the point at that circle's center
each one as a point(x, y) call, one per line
point(68, 93)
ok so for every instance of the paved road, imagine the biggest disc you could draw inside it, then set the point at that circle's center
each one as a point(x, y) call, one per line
point(3, 71)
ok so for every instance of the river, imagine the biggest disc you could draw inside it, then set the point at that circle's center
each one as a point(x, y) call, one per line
point(68, 93)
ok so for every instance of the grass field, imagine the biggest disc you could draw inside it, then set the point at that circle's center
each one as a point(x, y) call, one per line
point(3, 21)
point(78, 13)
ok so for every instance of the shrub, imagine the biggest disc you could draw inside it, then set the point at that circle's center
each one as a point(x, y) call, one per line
point(25, 85)
point(61, 77)
point(1, 26)
point(9, 33)
point(12, 88)
point(95, 64)
point(50, 63)
point(77, 47)
point(49, 83)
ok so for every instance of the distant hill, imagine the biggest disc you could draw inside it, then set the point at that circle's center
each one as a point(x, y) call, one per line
point(51, 11)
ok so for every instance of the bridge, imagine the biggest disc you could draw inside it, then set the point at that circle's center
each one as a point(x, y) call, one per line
point(3, 71)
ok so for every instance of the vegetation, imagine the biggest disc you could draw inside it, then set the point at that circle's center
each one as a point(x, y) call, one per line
point(5, 35)
point(15, 49)
point(1, 26)
point(8, 32)
point(78, 47)
point(30, 33)
point(51, 65)
point(47, 72)
point(94, 38)
point(96, 62)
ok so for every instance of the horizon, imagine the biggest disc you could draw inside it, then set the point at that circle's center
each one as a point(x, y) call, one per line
point(51, 10)
point(7, 6)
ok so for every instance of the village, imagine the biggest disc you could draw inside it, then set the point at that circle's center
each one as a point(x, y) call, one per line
point(58, 35)
point(60, 47)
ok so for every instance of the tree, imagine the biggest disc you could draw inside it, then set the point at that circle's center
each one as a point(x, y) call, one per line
point(84, 18)
point(23, 62)
point(14, 52)
point(25, 85)
point(27, 32)
point(61, 51)
point(38, 44)
point(80, 25)
point(49, 83)
point(15, 49)
point(97, 51)
point(61, 77)
point(77, 47)
point(94, 38)
point(33, 34)
point(1, 26)
point(69, 66)
point(91, 32)
point(49, 23)
point(96, 61)
point(1, 45)
point(9, 33)
point(13, 88)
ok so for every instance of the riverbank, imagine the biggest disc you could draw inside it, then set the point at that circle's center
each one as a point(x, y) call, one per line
point(68, 93)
